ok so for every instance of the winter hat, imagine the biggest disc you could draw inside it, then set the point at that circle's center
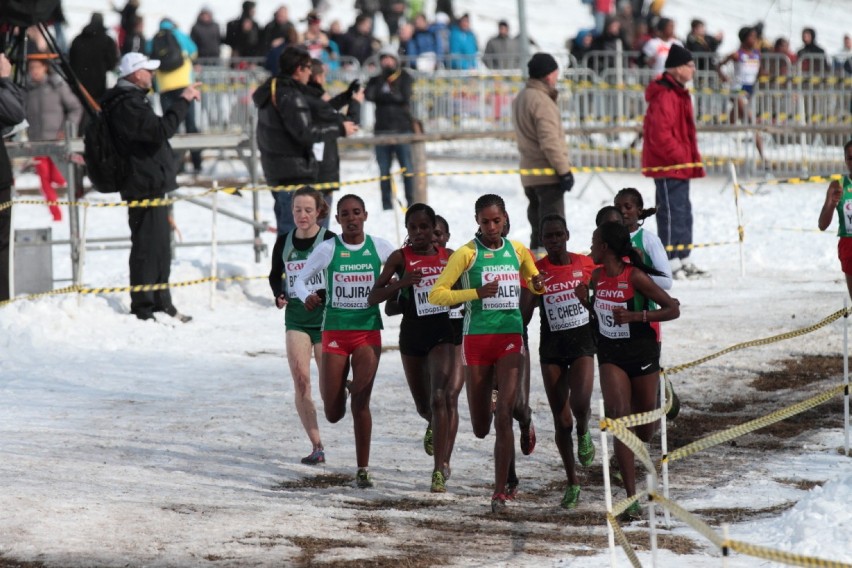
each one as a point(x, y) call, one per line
point(541, 65)
point(678, 56)
point(389, 51)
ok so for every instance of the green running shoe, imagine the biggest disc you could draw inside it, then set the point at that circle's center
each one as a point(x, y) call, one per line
point(632, 513)
point(571, 497)
point(363, 479)
point(438, 483)
point(585, 449)
point(428, 442)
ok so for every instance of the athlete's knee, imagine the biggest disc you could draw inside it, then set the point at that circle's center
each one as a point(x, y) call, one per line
point(334, 415)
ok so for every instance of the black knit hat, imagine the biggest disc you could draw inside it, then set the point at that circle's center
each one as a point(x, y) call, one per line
point(541, 65)
point(678, 56)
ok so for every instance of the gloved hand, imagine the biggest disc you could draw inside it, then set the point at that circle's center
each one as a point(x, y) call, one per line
point(566, 182)
point(353, 87)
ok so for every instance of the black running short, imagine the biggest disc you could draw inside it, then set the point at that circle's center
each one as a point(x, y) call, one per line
point(563, 347)
point(418, 336)
point(458, 330)
point(635, 357)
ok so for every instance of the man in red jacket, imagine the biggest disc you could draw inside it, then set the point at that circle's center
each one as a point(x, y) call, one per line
point(670, 156)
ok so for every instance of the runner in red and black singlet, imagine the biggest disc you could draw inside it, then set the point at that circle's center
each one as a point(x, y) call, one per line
point(628, 353)
point(567, 347)
point(425, 336)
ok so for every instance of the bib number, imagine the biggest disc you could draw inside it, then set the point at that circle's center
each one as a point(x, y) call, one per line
point(293, 269)
point(606, 320)
point(508, 292)
point(564, 311)
point(349, 290)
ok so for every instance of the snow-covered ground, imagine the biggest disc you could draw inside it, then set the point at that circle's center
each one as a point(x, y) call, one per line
point(140, 443)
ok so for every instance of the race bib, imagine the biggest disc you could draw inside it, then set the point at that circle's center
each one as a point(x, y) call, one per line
point(421, 296)
point(349, 290)
point(606, 320)
point(847, 216)
point(564, 311)
point(293, 268)
point(508, 292)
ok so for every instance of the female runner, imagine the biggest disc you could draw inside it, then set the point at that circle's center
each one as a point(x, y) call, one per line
point(351, 327)
point(633, 214)
point(442, 237)
point(303, 333)
point(567, 347)
point(839, 198)
point(489, 267)
point(425, 335)
point(628, 352)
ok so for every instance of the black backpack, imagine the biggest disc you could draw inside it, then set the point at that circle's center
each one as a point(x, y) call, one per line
point(166, 49)
point(107, 166)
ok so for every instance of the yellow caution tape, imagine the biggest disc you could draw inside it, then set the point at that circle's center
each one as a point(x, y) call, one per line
point(612, 519)
point(752, 425)
point(758, 342)
point(796, 180)
point(782, 556)
point(701, 245)
point(629, 439)
point(700, 526)
point(135, 288)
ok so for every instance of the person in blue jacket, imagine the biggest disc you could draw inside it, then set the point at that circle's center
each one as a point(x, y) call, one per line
point(422, 43)
point(463, 47)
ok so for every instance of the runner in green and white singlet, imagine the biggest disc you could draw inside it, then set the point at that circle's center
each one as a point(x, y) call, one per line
point(303, 333)
point(838, 199)
point(350, 335)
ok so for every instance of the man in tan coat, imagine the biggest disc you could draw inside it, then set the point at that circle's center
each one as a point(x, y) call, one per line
point(541, 143)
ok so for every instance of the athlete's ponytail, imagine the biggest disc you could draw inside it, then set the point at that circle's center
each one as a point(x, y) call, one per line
point(617, 238)
point(633, 194)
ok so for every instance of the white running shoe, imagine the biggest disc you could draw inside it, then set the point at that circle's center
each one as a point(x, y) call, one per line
point(693, 271)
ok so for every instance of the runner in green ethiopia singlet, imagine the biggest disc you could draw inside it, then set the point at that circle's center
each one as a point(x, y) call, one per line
point(844, 209)
point(500, 314)
point(351, 276)
point(295, 314)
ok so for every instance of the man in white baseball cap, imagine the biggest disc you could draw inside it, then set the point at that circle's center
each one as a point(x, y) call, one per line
point(143, 138)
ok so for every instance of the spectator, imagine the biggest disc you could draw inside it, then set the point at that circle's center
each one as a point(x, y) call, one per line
point(463, 46)
point(335, 32)
point(315, 40)
point(58, 21)
point(368, 8)
point(287, 136)
point(207, 36)
point(811, 56)
point(392, 12)
point(844, 54)
point(172, 83)
point(143, 137)
point(440, 28)
point(324, 112)
point(50, 103)
point(602, 9)
point(128, 25)
point(423, 48)
point(391, 92)
point(359, 42)
point(782, 67)
point(243, 34)
point(93, 54)
point(541, 143)
point(608, 42)
point(406, 32)
point(581, 44)
point(445, 7)
point(134, 42)
point(279, 31)
point(502, 51)
point(698, 42)
point(11, 113)
point(670, 140)
point(624, 14)
point(656, 50)
point(763, 44)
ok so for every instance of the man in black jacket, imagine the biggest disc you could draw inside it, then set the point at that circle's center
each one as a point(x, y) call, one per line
point(324, 110)
point(290, 142)
point(243, 34)
point(391, 91)
point(143, 137)
point(11, 113)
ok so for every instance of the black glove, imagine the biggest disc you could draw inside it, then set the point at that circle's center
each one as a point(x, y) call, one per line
point(353, 87)
point(566, 182)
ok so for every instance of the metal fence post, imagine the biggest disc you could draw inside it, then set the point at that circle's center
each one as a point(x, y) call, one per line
point(253, 173)
point(73, 209)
